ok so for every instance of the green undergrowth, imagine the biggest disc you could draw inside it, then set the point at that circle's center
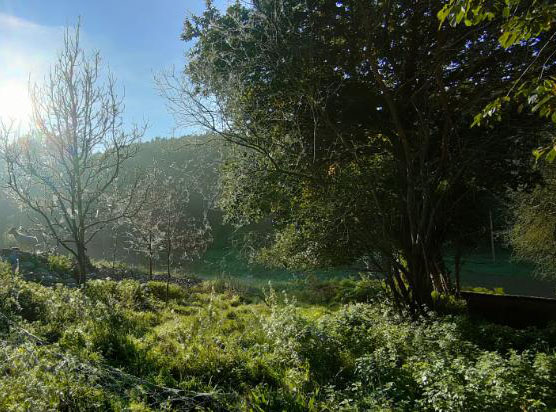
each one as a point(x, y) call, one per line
point(495, 291)
point(342, 347)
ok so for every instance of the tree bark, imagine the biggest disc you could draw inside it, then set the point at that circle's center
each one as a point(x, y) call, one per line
point(150, 256)
point(83, 264)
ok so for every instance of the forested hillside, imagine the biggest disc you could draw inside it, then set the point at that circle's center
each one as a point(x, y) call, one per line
point(194, 158)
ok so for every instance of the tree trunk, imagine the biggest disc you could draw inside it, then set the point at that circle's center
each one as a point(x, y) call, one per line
point(422, 284)
point(491, 236)
point(457, 270)
point(168, 259)
point(83, 264)
point(415, 280)
point(150, 256)
point(114, 251)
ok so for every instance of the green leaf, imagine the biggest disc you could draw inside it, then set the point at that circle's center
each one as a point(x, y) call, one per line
point(541, 103)
point(477, 120)
point(503, 39)
point(551, 154)
point(442, 14)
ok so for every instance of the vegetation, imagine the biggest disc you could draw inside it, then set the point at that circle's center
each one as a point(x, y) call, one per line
point(63, 171)
point(351, 127)
point(533, 231)
point(338, 162)
point(117, 346)
point(520, 22)
point(164, 228)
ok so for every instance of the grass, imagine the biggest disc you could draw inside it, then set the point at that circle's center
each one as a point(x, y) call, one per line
point(229, 262)
point(227, 267)
point(515, 278)
point(121, 346)
point(478, 271)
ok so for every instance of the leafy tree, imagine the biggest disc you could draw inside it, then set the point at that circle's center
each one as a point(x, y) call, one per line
point(521, 23)
point(532, 233)
point(64, 171)
point(351, 126)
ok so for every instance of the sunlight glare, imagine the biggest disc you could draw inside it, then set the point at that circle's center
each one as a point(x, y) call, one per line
point(14, 102)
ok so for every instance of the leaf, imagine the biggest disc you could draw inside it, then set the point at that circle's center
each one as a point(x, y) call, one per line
point(460, 16)
point(477, 120)
point(442, 14)
point(508, 38)
point(541, 103)
point(503, 39)
point(551, 154)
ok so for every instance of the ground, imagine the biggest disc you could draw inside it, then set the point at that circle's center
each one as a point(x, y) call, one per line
point(219, 345)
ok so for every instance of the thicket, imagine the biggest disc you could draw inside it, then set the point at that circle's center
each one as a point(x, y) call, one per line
point(119, 346)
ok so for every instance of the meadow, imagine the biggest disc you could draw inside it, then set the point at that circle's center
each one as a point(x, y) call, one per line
point(479, 272)
point(218, 345)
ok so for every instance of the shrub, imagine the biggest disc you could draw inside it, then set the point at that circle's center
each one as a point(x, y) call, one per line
point(60, 264)
point(339, 291)
point(158, 291)
point(209, 350)
point(127, 293)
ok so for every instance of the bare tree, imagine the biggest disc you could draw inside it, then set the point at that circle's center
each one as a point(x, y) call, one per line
point(166, 229)
point(143, 235)
point(183, 237)
point(63, 170)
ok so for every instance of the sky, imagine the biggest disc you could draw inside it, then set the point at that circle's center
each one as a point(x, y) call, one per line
point(136, 39)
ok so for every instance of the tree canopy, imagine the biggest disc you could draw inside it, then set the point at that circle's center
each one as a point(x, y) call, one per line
point(352, 126)
point(521, 23)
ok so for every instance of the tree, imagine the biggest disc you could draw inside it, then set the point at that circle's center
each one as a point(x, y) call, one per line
point(351, 126)
point(143, 235)
point(180, 236)
point(181, 189)
point(63, 171)
point(532, 232)
point(521, 22)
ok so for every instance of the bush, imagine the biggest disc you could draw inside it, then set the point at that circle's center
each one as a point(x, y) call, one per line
point(60, 264)
point(339, 291)
point(158, 291)
point(127, 293)
point(207, 349)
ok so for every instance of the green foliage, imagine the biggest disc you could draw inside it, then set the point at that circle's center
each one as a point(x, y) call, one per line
point(495, 291)
point(367, 155)
point(118, 346)
point(520, 22)
point(532, 233)
point(158, 290)
point(339, 291)
point(60, 264)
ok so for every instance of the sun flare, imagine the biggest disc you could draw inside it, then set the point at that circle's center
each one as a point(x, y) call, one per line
point(14, 102)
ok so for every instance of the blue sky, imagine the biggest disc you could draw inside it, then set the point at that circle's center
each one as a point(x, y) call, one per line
point(137, 38)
